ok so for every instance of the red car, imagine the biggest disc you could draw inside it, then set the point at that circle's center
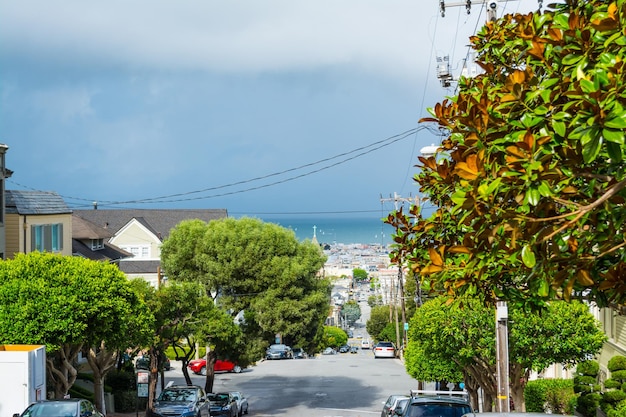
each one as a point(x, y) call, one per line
point(198, 366)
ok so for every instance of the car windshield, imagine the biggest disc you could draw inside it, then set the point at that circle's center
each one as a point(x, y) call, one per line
point(385, 344)
point(178, 395)
point(218, 398)
point(52, 409)
point(437, 410)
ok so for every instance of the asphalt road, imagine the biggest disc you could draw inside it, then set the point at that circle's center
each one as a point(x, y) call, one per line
point(346, 385)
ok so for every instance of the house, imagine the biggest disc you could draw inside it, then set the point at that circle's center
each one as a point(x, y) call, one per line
point(92, 242)
point(37, 221)
point(140, 232)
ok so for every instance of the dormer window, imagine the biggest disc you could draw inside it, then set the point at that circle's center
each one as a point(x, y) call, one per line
point(97, 244)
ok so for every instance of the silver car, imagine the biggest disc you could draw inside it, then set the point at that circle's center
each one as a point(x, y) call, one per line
point(279, 351)
point(242, 402)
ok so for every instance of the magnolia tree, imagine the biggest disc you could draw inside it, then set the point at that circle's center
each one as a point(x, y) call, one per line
point(528, 186)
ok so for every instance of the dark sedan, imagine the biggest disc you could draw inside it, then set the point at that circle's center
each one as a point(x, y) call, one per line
point(180, 401)
point(223, 404)
point(73, 407)
point(279, 352)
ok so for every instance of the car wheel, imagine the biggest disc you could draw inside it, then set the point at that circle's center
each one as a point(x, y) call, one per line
point(203, 370)
point(246, 410)
point(237, 369)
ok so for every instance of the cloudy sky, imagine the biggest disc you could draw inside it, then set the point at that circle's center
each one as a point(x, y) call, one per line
point(258, 107)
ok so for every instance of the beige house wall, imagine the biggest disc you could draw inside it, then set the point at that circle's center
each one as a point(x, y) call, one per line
point(18, 231)
point(134, 234)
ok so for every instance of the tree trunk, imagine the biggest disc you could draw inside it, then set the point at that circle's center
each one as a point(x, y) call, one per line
point(61, 370)
point(517, 384)
point(211, 357)
point(101, 362)
point(154, 376)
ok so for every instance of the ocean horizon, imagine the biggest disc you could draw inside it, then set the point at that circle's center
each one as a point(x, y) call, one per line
point(337, 230)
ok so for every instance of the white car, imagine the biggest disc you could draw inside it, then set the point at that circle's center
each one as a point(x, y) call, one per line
point(384, 350)
point(365, 344)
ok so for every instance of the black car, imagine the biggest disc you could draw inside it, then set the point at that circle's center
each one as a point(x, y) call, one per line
point(72, 407)
point(279, 352)
point(223, 404)
point(344, 349)
point(435, 403)
point(143, 362)
point(180, 401)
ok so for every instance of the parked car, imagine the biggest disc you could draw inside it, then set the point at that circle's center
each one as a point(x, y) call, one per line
point(365, 344)
point(329, 351)
point(73, 407)
point(242, 402)
point(392, 404)
point(344, 349)
point(384, 350)
point(223, 404)
point(279, 351)
point(387, 405)
point(180, 401)
point(143, 362)
point(436, 403)
point(299, 353)
point(198, 366)
point(354, 349)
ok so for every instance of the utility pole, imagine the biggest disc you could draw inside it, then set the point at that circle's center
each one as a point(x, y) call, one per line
point(396, 199)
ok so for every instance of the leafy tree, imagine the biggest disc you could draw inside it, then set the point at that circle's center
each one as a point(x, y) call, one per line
point(379, 318)
point(359, 274)
point(258, 268)
point(529, 185)
point(69, 303)
point(445, 333)
point(351, 311)
point(333, 337)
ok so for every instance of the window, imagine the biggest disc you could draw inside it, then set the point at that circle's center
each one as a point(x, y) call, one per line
point(47, 237)
point(97, 244)
point(138, 251)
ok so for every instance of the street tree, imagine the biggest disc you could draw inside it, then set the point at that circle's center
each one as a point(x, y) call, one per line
point(463, 333)
point(69, 304)
point(528, 185)
point(333, 337)
point(379, 319)
point(359, 274)
point(256, 269)
point(351, 311)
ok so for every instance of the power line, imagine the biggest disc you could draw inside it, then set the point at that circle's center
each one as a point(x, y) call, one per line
point(364, 150)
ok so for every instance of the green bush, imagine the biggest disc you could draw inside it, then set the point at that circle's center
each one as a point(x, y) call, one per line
point(613, 397)
point(121, 381)
point(619, 411)
point(612, 383)
point(127, 401)
point(549, 395)
point(588, 404)
point(619, 375)
point(617, 363)
point(588, 368)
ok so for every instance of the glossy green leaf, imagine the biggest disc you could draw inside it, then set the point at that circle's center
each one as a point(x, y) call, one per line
point(528, 256)
point(591, 149)
point(615, 136)
point(559, 128)
point(544, 288)
point(615, 151)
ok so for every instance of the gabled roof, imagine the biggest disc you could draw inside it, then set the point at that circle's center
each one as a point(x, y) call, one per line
point(160, 221)
point(84, 229)
point(110, 253)
point(34, 202)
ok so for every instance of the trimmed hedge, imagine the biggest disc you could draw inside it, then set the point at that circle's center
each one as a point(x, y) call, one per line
point(550, 395)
